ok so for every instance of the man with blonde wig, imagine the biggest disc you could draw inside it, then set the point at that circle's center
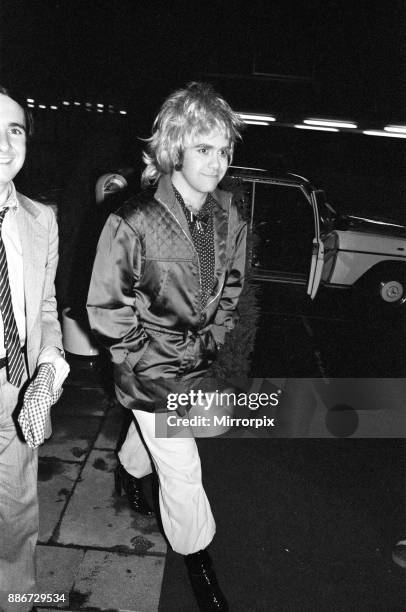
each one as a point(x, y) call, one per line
point(167, 277)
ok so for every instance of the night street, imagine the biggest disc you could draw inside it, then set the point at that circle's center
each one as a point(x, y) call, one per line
point(338, 334)
point(208, 194)
point(317, 517)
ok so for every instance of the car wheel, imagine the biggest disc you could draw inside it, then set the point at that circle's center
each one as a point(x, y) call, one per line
point(392, 290)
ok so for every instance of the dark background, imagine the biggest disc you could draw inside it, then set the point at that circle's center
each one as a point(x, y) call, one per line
point(293, 59)
point(336, 58)
point(353, 55)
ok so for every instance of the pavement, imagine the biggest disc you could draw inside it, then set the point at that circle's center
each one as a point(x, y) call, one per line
point(93, 551)
point(96, 554)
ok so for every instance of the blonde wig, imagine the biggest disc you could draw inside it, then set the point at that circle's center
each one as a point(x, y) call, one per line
point(196, 109)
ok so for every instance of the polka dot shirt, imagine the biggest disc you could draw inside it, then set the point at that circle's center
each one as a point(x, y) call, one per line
point(202, 232)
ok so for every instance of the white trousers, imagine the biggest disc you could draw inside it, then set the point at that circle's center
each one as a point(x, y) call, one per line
point(185, 510)
point(18, 506)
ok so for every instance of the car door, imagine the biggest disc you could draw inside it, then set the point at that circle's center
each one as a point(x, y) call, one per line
point(286, 236)
point(317, 258)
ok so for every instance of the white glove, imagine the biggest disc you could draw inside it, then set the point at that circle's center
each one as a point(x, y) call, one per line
point(51, 354)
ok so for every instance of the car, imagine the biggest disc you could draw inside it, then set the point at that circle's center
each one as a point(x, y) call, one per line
point(299, 238)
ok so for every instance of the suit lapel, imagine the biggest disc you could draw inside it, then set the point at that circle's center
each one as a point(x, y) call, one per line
point(33, 236)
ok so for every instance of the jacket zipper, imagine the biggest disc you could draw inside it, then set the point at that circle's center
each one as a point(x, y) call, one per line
point(216, 296)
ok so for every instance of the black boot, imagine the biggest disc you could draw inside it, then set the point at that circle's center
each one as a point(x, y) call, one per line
point(133, 489)
point(204, 582)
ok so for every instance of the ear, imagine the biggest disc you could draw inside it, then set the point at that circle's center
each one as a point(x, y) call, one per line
point(178, 156)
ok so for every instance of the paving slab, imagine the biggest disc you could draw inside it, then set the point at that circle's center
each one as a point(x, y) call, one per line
point(96, 517)
point(72, 437)
point(76, 401)
point(57, 569)
point(55, 482)
point(111, 428)
point(116, 581)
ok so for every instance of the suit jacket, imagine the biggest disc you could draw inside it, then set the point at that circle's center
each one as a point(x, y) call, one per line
point(38, 232)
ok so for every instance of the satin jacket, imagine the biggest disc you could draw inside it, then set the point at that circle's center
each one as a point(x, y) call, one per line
point(144, 298)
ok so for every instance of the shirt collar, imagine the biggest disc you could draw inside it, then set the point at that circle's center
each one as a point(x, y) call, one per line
point(205, 211)
point(12, 200)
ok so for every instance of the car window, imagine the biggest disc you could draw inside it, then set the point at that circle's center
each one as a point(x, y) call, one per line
point(242, 194)
point(283, 228)
point(327, 213)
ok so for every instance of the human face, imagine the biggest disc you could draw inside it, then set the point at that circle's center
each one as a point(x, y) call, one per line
point(12, 140)
point(205, 162)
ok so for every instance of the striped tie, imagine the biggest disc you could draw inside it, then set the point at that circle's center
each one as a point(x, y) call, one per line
point(15, 362)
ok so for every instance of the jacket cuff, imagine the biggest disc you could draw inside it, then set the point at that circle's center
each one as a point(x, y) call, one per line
point(133, 357)
point(48, 354)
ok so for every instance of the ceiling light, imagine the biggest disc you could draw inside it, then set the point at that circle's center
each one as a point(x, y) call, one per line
point(30, 100)
point(330, 123)
point(383, 133)
point(401, 129)
point(314, 127)
point(123, 112)
point(252, 117)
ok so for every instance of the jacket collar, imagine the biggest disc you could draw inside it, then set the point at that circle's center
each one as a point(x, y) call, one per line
point(34, 243)
point(28, 205)
point(12, 200)
point(165, 193)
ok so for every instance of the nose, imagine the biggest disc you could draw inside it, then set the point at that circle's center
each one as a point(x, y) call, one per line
point(4, 141)
point(214, 160)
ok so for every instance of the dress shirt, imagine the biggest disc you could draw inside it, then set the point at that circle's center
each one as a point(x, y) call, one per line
point(14, 254)
point(201, 229)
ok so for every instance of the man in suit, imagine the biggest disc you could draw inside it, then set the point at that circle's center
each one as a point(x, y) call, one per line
point(29, 336)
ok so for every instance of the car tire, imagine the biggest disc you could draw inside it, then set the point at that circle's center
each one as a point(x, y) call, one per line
point(382, 291)
point(385, 288)
point(392, 290)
